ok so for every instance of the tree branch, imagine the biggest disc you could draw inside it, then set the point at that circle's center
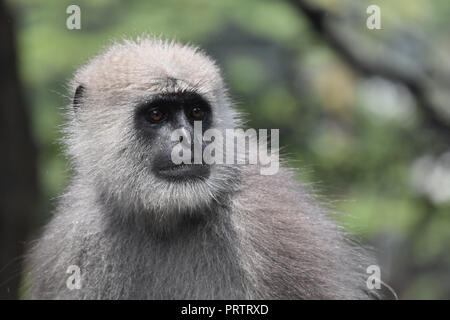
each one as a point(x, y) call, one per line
point(325, 25)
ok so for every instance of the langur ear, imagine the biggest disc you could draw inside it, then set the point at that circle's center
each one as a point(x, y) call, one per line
point(77, 98)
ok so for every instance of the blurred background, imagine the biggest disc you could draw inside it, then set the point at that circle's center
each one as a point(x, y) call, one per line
point(364, 113)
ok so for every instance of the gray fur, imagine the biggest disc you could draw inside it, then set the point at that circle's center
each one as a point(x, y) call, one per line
point(237, 235)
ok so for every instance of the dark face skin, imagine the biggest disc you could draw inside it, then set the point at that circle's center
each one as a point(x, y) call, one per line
point(157, 118)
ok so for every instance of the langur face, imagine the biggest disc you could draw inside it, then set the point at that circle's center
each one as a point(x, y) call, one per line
point(120, 135)
point(158, 118)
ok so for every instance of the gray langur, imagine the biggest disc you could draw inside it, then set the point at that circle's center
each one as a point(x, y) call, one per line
point(137, 226)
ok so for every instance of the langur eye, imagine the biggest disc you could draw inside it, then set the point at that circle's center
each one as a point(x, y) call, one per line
point(197, 113)
point(155, 115)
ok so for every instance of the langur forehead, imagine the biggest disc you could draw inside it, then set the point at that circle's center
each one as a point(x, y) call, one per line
point(167, 67)
point(136, 93)
point(141, 82)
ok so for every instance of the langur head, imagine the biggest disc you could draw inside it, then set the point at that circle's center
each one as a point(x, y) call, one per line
point(128, 102)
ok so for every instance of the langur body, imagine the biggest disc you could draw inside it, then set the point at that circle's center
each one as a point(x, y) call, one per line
point(138, 226)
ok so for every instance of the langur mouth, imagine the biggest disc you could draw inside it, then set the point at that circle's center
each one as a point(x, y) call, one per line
point(184, 171)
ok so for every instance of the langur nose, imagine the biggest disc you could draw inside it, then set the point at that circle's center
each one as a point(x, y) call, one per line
point(185, 137)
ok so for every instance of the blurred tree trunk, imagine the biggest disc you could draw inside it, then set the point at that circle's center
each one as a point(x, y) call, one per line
point(18, 176)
